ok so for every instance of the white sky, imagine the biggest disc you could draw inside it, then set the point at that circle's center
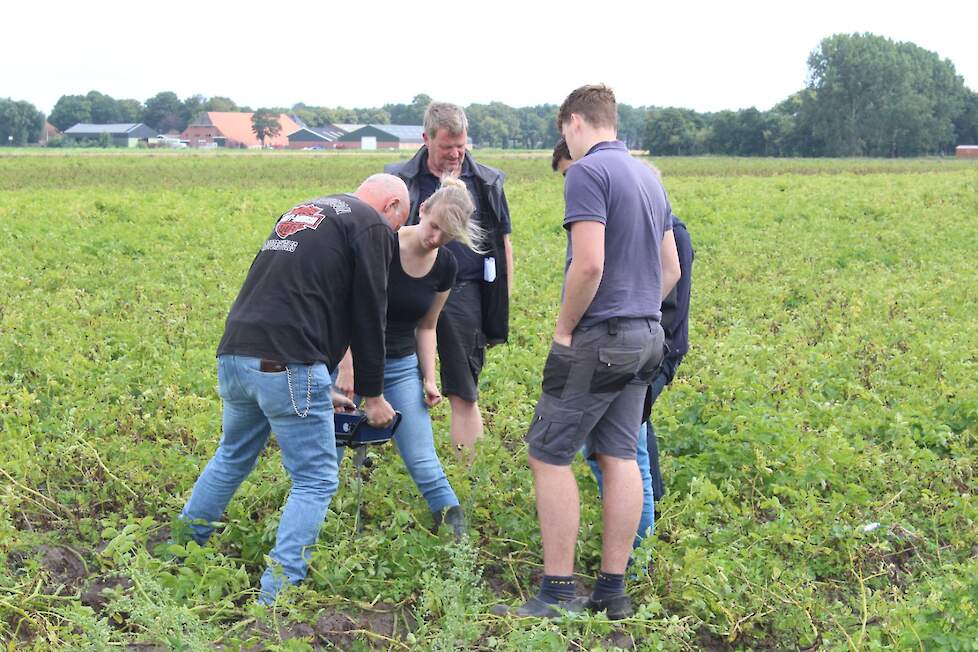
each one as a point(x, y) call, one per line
point(704, 55)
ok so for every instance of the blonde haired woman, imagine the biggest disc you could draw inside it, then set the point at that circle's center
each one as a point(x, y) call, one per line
point(422, 273)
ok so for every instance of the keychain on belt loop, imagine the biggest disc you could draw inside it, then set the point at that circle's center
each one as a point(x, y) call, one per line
point(288, 377)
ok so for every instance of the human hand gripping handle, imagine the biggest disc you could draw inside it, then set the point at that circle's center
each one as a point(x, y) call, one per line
point(342, 404)
point(378, 411)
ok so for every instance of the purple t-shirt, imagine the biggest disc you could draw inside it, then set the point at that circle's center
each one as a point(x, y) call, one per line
point(609, 186)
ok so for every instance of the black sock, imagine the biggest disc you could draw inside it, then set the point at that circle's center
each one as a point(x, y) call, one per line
point(554, 588)
point(608, 586)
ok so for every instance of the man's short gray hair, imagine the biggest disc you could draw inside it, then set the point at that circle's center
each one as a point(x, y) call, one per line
point(443, 115)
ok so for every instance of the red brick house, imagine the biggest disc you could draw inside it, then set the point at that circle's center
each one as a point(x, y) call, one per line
point(233, 129)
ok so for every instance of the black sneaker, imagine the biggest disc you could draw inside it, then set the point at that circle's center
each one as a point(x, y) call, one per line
point(456, 518)
point(616, 608)
point(436, 519)
point(537, 608)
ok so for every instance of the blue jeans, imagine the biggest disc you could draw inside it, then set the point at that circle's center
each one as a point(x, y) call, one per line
point(647, 523)
point(255, 403)
point(414, 437)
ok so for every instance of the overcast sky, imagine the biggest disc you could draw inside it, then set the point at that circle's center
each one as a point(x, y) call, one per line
point(703, 55)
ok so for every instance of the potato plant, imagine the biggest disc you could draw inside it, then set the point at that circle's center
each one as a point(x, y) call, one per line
point(819, 442)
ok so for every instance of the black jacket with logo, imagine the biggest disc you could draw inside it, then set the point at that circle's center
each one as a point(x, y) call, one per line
point(318, 286)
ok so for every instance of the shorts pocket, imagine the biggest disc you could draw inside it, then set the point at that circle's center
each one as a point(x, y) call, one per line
point(650, 369)
point(557, 369)
point(617, 366)
point(555, 430)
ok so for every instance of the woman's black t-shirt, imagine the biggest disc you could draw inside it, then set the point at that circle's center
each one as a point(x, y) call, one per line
point(409, 298)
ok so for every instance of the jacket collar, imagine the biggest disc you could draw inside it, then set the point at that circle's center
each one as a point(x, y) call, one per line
point(419, 162)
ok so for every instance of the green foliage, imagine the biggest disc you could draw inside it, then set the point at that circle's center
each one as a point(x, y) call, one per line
point(673, 132)
point(818, 443)
point(447, 601)
point(265, 124)
point(164, 112)
point(875, 97)
point(20, 123)
point(966, 124)
point(105, 110)
point(867, 96)
point(70, 110)
point(129, 111)
point(408, 114)
point(219, 103)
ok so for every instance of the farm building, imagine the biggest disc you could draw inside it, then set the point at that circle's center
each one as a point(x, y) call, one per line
point(966, 151)
point(382, 137)
point(119, 135)
point(233, 129)
point(49, 132)
point(315, 137)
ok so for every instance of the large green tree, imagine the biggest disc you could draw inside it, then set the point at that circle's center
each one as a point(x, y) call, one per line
point(671, 132)
point(194, 105)
point(165, 112)
point(105, 109)
point(220, 104)
point(631, 125)
point(873, 96)
point(532, 128)
point(796, 136)
point(70, 110)
point(265, 124)
point(493, 125)
point(966, 124)
point(20, 122)
point(376, 117)
point(408, 114)
point(130, 111)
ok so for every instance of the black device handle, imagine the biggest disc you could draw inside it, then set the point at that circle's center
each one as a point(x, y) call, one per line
point(393, 426)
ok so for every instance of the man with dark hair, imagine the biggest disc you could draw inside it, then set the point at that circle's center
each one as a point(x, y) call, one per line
point(477, 311)
point(606, 346)
point(317, 287)
point(561, 158)
point(675, 325)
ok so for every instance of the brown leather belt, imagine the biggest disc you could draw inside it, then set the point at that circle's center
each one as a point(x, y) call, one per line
point(271, 366)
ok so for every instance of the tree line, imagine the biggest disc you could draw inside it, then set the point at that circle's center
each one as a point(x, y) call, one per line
point(866, 95)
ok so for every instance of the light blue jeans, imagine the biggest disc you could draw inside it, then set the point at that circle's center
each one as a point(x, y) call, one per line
point(298, 406)
point(415, 441)
point(646, 526)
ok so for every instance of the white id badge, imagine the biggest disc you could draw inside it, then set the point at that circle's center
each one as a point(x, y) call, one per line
point(489, 269)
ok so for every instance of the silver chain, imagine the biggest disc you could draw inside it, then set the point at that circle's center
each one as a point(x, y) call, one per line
point(288, 377)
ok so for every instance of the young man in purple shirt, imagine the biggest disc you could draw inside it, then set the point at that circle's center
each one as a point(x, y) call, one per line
point(674, 322)
point(606, 347)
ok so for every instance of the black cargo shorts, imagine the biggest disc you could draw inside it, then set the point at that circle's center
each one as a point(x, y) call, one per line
point(461, 342)
point(594, 390)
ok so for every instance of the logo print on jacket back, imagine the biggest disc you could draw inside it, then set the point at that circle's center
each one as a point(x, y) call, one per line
point(303, 216)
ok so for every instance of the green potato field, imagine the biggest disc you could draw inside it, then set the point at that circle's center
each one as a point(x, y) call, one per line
point(820, 441)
